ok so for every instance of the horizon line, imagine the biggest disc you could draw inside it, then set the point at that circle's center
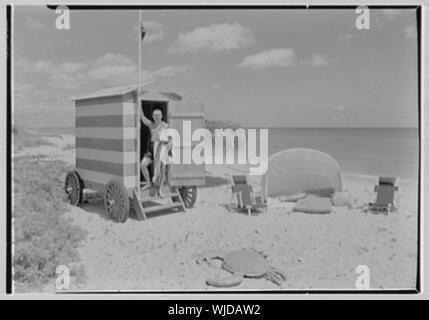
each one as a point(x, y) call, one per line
point(273, 127)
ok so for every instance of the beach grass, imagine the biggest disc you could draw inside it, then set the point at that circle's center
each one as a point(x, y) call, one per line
point(24, 138)
point(43, 237)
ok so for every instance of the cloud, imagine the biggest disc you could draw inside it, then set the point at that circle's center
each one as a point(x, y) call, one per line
point(113, 75)
point(68, 75)
point(110, 69)
point(219, 37)
point(34, 24)
point(154, 31)
point(269, 59)
point(317, 60)
point(67, 81)
point(281, 58)
point(391, 13)
point(42, 65)
point(116, 69)
point(169, 71)
point(48, 67)
point(410, 32)
point(71, 67)
point(113, 59)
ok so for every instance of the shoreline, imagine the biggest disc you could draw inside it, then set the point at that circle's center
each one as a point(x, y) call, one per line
point(62, 141)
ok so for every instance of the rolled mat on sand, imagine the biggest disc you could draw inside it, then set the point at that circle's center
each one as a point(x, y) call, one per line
point(293, 197)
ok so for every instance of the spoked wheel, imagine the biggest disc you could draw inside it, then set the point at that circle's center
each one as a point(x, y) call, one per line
point(73, 188)
point(189, 195)
point(116, 201)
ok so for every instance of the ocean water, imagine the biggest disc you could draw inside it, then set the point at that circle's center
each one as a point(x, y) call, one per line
point(363, 151)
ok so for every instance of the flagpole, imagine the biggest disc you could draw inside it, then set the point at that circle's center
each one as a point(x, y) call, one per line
point(139, 53)
point(138, 103)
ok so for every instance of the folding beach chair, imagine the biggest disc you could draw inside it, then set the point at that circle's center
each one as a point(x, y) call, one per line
point(246, 198)
point(385, 194)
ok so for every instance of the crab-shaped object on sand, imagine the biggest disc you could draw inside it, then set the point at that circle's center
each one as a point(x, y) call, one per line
point(241, 263)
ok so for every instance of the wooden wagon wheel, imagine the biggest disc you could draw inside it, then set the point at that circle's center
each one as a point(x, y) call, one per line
point(189, 195)
point(73, 188)
point(116, 201)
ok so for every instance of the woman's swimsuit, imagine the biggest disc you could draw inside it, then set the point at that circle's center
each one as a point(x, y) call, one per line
point(154, 131)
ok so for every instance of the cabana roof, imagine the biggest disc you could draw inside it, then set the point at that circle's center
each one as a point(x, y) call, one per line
point(159, 96)
point(123, 90)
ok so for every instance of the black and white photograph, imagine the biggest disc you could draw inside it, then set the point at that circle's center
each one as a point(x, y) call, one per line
point(215, 149)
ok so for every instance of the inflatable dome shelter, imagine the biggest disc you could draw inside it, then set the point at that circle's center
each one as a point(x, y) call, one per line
point(303, 170)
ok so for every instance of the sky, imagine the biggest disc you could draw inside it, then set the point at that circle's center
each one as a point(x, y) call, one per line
point(264, 68)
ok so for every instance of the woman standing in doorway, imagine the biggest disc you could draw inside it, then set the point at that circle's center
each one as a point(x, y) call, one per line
point(155, 127)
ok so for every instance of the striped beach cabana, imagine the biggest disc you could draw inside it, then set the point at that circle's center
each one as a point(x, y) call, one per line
point(110, 143)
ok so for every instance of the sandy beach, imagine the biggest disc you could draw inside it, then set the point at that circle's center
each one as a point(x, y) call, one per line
point(315, 251)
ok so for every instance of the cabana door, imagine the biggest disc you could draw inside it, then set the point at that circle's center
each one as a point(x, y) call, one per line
point(192, 112)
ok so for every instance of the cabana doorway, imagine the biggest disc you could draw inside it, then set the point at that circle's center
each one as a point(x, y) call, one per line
point(145, 136)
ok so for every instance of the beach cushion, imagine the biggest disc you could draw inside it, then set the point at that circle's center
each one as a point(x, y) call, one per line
point(313, 204)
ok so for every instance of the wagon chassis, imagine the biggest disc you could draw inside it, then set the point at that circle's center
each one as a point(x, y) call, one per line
point(117, 204)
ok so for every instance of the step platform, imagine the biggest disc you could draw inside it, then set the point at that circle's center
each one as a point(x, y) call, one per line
point(149, 201)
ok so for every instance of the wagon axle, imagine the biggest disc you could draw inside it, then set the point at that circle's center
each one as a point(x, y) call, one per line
point(110, 202)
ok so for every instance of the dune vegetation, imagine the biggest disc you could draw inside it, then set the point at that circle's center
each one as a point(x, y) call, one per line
point(44, 237)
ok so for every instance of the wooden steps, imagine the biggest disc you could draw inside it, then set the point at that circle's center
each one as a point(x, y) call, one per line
point(154, 198)
point(141, 201)
point(163, 207)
